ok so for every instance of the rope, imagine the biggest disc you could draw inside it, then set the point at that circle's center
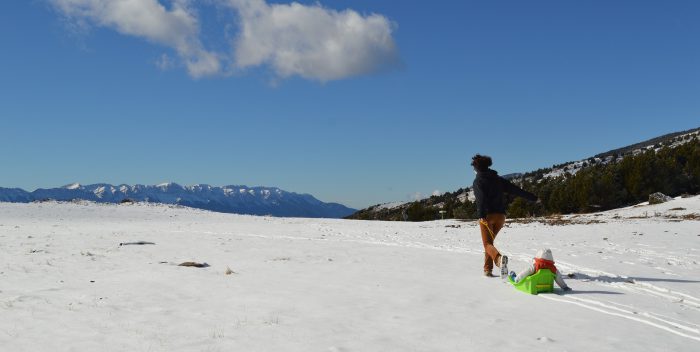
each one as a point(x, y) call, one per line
point(493, 236)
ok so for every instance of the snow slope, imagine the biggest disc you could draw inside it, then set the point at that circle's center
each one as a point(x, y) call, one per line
point(340, 285)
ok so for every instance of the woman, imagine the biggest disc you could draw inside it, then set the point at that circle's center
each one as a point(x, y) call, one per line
point(489, 189)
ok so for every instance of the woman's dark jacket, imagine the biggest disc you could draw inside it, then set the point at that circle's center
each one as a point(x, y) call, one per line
point(489, 189)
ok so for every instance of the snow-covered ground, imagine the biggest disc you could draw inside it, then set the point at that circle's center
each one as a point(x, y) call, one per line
point(340, 285)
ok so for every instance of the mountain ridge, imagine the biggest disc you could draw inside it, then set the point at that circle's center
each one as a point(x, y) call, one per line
point(238, 199)
point(604, 168)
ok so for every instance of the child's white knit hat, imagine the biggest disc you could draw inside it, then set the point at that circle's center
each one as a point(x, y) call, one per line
point(545, 253)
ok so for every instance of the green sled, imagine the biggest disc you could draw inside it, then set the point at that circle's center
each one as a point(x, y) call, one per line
point(541, 281)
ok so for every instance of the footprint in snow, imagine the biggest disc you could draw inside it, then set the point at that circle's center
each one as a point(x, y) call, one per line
point(337, 349)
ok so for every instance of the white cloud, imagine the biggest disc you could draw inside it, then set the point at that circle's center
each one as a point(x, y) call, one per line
point(309, 41)
point(176, 27)
point(437, 192)
point(312, 41)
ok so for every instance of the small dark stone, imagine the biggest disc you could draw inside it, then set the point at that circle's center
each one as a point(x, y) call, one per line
point(138, 243)
point(194, 264)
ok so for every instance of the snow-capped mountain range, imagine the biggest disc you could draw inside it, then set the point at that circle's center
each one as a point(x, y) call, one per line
point(227, 199)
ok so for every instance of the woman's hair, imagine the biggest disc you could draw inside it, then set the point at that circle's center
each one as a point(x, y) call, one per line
point(481, 162)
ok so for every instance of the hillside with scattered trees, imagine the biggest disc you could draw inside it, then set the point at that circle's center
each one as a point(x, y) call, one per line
point(669, 164)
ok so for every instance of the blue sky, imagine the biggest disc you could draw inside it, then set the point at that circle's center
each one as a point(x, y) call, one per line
point(418, 88)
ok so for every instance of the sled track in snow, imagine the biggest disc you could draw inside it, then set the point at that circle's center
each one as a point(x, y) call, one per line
point(681, 328)
point(629, 284)
point(694, 326)
point(596, 276)
point(393, 243)
point(632, 285)
point(684, 329)
point(687, 330)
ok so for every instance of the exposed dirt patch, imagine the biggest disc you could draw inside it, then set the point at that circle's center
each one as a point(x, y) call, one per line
point(692, 216)
point(558, 220)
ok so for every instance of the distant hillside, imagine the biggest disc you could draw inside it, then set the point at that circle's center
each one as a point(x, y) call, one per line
point(226, 199)
point(667, 139)
point(668, 164)
point(453, 203)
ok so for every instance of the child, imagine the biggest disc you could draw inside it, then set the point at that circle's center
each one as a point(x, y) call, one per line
point(543, 260)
